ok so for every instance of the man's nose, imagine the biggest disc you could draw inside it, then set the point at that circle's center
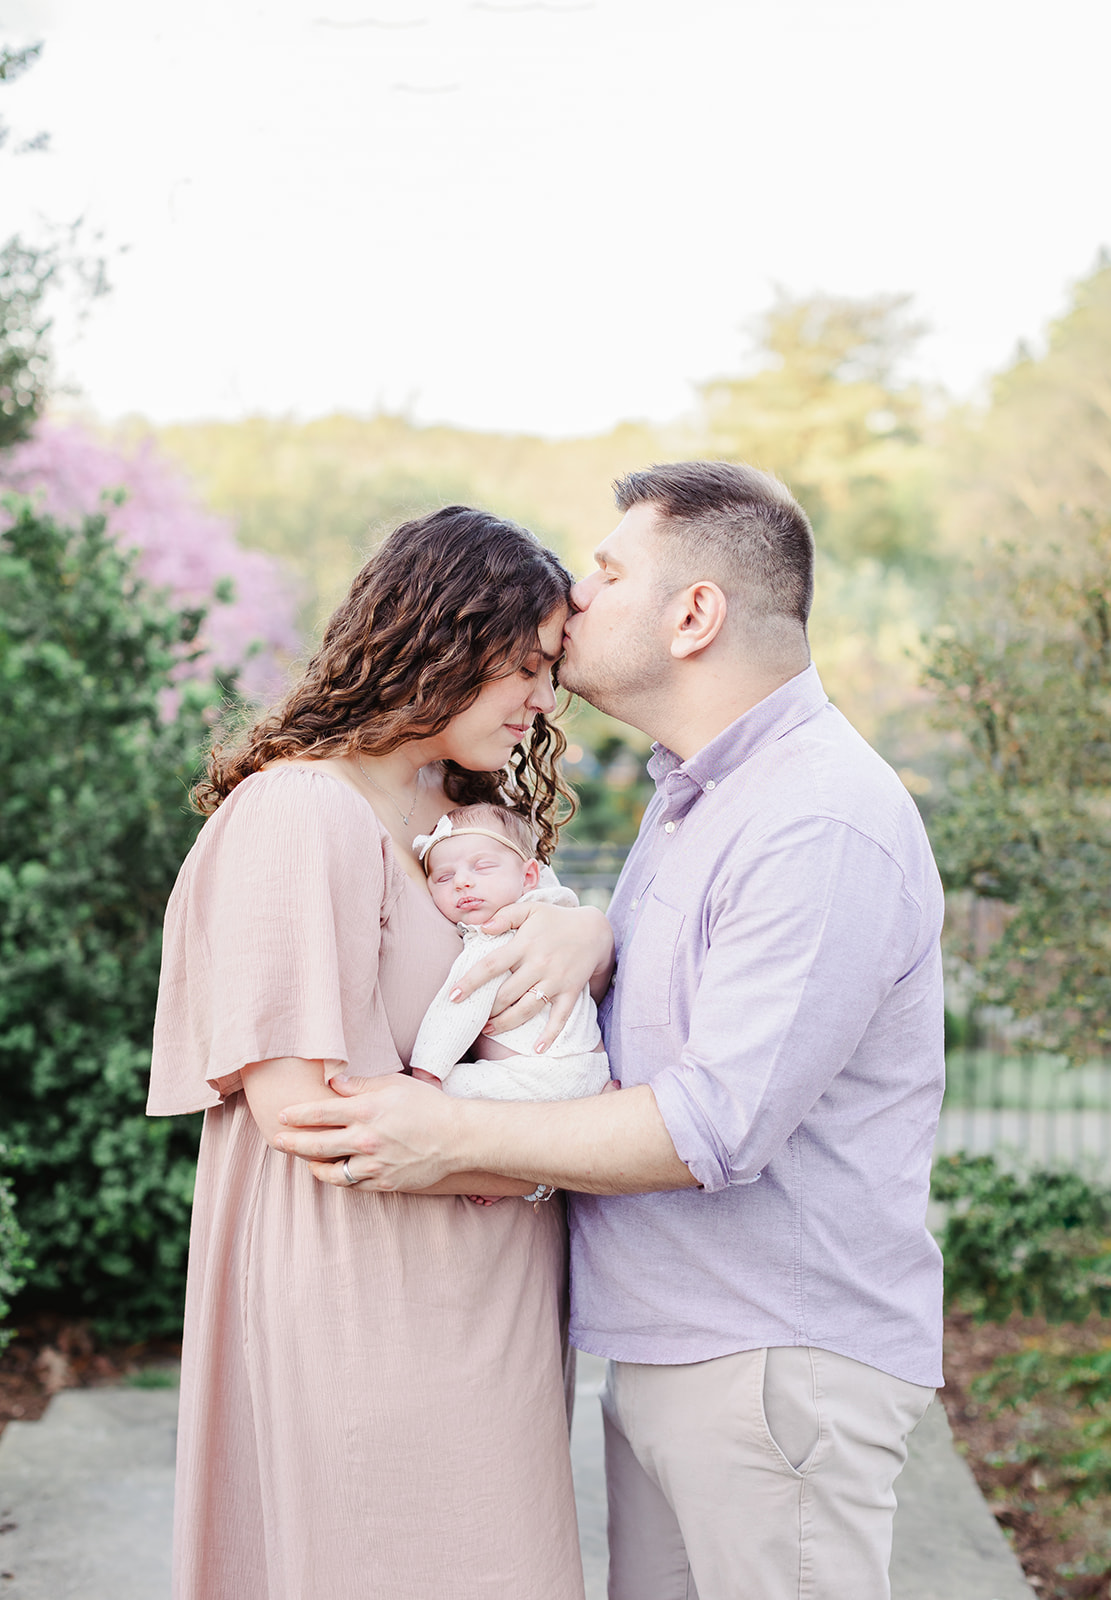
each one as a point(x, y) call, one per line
point(582, 593)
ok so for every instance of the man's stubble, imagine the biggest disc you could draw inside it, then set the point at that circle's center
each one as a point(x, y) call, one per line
point(627, 680)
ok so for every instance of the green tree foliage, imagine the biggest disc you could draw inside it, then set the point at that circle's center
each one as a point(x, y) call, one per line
point(14, 1261)
point(1022, 675)
point(1037, 1245)
point(98, 747)
point(25, 275)
point(606, 764)
point(825, 410)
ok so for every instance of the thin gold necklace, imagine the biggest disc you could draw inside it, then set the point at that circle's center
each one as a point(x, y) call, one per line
point(404, 815)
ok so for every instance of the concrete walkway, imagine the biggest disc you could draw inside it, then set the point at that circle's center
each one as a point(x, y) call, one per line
point(86, 1497)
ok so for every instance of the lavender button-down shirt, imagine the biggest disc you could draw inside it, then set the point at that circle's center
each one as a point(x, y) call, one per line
point(778, 986)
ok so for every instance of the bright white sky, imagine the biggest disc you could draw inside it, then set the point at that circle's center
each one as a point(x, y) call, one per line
point(547, 215)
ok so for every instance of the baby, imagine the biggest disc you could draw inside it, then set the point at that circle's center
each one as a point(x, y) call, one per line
point(478, 860)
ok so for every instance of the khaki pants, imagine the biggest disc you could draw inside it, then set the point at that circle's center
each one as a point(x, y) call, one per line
point(767, 1475)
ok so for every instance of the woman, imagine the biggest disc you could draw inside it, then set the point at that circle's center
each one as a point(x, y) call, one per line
point(372, 1387)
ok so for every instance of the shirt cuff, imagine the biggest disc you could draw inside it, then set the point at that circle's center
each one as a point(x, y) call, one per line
point(697, 1142)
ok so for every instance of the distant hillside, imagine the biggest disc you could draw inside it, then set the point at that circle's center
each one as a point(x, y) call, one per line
point(319, 493)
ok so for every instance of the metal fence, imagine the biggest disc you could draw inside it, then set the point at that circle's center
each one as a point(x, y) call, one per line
point(590, 869)
point(1032, 1108)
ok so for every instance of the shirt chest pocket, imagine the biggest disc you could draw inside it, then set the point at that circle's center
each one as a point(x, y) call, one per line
point(648, 965)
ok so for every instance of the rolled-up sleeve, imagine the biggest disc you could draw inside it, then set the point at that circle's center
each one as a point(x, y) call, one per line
point(807, 932)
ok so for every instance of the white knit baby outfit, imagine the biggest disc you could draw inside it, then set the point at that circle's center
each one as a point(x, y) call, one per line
point(568, 1069)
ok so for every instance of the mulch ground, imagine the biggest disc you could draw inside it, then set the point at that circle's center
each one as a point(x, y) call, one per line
point(50, 1354)
point(1051, 1538)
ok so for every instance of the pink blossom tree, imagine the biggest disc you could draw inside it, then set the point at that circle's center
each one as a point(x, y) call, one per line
point(184, 548)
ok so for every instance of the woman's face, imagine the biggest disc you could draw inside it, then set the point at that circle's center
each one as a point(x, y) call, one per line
point(482, 737)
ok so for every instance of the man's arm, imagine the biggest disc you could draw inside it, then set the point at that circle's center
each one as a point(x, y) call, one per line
point(807, 939)
point(406, 1135)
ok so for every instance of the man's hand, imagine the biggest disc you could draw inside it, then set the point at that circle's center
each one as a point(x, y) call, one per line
point(557, 951)
point(399, 1129)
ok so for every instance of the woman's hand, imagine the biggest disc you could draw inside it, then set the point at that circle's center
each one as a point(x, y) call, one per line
point(556, 952)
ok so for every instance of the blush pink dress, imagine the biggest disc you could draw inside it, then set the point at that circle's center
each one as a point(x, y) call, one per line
point(372, 1401)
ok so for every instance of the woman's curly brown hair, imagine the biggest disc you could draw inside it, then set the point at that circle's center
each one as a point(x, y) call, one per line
point(445, 604)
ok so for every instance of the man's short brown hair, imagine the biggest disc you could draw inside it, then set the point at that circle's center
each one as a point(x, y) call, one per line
point(744, 523)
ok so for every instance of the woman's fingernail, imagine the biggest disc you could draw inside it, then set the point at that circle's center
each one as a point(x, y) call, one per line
point(279, 1144)
point(540, 1048)
point(341, 1077)
point(455, 993)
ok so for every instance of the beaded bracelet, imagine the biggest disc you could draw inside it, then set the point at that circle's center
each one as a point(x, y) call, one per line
point(543, 1191)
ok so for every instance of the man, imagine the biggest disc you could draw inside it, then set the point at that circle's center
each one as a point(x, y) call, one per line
point(748, 1214)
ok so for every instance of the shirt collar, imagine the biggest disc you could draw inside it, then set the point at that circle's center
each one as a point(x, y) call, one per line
point(794, 702)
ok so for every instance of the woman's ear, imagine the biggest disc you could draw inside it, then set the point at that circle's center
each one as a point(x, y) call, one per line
point(532, 875)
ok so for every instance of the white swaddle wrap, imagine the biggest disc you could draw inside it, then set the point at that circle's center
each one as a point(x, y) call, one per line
point(570, 1068)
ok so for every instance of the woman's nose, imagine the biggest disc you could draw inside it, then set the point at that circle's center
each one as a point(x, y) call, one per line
point(543, 696)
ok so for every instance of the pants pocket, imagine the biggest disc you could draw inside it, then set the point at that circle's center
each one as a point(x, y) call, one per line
point(791, 1416)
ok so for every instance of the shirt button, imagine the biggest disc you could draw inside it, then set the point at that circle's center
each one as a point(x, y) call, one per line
point(636, 902)
point(710, 784)
point(669, 827)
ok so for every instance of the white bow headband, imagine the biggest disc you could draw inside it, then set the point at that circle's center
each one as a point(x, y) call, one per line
point(423, 842)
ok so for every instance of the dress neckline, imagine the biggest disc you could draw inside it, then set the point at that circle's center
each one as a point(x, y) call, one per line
point(317, 770)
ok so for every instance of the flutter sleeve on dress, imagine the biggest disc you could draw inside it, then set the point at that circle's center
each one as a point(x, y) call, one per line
point(272, 941)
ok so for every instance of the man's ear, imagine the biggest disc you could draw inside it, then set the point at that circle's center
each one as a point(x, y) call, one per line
point(699, 616)
point(532, 875)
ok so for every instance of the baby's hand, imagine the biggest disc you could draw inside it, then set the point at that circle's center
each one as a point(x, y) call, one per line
point(484, 1199)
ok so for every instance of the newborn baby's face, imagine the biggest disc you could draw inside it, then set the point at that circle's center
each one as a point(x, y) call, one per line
point(472, 877)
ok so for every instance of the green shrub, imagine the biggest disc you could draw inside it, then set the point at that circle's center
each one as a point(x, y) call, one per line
point(1037, 1244)
point(1065, 1399)
point(98, 749)
point(14, 1261)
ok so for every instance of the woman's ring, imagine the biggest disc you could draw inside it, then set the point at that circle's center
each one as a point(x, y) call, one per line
point(347, 1171)
point(540, 995)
